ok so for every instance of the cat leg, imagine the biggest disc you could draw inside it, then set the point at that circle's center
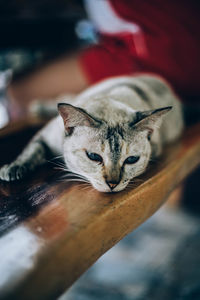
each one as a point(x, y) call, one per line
point(47, 141)
point(32, 156)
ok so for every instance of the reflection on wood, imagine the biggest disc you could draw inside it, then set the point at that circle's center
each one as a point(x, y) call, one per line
point(74, 223)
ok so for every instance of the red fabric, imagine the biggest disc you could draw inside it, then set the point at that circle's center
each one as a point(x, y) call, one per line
point(170, 30)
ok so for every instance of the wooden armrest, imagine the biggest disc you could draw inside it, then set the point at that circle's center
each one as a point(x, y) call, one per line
point(63, 228)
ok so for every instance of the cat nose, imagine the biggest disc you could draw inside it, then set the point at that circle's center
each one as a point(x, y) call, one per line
point(112, 184)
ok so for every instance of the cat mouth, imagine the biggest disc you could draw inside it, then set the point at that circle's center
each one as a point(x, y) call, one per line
point(107, 190)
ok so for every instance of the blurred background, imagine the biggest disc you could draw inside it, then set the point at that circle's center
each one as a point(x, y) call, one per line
point(33, 32)
point(161, 259)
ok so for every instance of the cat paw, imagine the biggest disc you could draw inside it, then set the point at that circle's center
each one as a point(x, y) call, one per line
point(12, 172)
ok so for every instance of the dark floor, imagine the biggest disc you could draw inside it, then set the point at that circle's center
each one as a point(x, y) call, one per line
point(160, 260)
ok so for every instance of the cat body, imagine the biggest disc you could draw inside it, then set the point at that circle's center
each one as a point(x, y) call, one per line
point(110, 132)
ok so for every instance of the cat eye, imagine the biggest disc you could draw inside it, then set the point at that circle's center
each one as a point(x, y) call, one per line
point(94, 156)
point(131, 160)
point(149, 135)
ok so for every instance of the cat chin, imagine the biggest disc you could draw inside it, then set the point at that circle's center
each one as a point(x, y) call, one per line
point(101, 188)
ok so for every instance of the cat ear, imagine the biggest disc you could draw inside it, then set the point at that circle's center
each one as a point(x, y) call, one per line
point(75, 116)
point(149, 119)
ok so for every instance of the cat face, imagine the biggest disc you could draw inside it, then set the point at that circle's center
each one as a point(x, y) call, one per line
point(109, 157)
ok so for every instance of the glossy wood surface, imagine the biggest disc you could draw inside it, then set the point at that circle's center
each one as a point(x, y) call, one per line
point(53, 230)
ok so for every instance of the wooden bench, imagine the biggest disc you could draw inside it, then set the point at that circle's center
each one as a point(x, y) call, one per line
point(53, 231)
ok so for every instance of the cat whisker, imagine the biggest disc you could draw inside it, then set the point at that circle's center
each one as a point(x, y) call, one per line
point(86, 188)
point(82, 185)
point(133, 185)
point(57, 157)
point(63, 168)
point(67, 177)
point(136, 180)
point(86, 184)
point(89, 188)
point(76, 180)
point(72, 180)
point(75, 175)
point(130, 186)
point(60, 168)
point(58, 164)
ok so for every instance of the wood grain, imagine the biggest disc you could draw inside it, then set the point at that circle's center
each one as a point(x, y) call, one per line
point(73, 225)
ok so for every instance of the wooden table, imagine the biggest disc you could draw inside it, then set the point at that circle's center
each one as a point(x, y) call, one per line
point(52, 231)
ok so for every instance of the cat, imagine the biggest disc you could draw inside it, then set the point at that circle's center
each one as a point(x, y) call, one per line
point(109, 134)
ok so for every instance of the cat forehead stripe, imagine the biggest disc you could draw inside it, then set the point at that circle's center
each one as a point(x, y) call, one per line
point(114, 144)
point(114, 134)
point(111, 131)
